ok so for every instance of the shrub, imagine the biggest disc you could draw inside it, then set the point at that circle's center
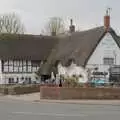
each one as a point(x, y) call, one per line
point(71, 82)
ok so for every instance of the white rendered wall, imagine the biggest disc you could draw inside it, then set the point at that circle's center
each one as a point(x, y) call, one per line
point(107, 48)
point(4, 77)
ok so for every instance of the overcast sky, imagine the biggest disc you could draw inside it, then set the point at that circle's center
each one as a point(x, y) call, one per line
point(85, 13)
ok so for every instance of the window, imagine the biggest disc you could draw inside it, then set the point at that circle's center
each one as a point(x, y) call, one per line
point(24, 68)
point(35, 65)
point(20, 66)
point(20, 69)
point(29, 69)
point(24, 63)
point(22, 78)
point(15, 69)
point(38, 68)
point(29, 63)
point(10, 68)
point(16, 66)
point(11, 80)
point(34, 69)
point(5, 62)
point(108, 61)
point(17, 80)
point(10, 63)
point(20, 63)
point(5, 69)
point(115, 69)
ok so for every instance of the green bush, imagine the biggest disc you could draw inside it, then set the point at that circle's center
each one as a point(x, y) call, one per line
point(74, 82)
point(71, 82)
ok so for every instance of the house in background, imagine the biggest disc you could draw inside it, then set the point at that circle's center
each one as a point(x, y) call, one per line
point(23, 55)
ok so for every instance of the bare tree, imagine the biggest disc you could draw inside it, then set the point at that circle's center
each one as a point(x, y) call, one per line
point(55, 26)
point(11, 23)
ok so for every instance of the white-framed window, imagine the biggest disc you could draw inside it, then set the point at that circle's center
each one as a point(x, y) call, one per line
point(29, 68)
point(29, 63)
point(15, 69)
point(34, 69)
point(10, 63)
point(5, 68)
point(24, 68)
point(5, 62)
point(11, 80)
point(24, 63)
point(10, 68)
point(108, 61)
point(20, 66)
point(20, 63)
point(20, 69)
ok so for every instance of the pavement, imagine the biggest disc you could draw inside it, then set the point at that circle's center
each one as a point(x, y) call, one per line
point(35, 97)
point(25, 97)
point(24, 110)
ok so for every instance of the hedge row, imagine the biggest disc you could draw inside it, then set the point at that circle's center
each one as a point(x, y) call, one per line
point(19, 89)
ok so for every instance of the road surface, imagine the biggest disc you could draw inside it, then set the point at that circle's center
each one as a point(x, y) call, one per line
point(21, 110)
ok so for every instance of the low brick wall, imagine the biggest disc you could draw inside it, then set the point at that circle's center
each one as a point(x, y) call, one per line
point(79, 93)
point(26, 89)
point(19, 89)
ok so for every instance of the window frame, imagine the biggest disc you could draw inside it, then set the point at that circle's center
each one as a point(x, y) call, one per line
point(108, 61)
point(24, 66)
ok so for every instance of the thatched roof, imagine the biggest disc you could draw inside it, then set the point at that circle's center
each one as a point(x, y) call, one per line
point(31, 47)
point(78, 46)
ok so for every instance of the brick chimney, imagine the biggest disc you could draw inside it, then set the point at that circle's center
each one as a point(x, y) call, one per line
point(107, 20)
point(72, 27)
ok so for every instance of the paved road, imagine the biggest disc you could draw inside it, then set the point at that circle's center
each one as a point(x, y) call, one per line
point(19, 110)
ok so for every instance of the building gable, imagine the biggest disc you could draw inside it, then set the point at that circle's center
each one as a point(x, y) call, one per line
point(107, 48)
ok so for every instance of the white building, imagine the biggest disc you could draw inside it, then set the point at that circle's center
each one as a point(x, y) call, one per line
point(95, 48)
point(22, 55)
